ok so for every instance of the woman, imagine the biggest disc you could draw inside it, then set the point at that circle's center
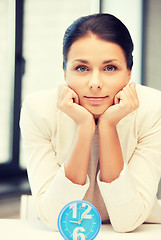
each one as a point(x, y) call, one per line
point(97, 137)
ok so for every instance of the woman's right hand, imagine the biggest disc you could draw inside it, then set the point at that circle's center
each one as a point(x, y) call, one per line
point(68, 102)
point(76, 165)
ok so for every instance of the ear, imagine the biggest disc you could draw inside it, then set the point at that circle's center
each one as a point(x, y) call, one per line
point(130, 72)
point(129, 75)
point(65, 75)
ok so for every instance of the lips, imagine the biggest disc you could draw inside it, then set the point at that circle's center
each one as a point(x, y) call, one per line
point(95, 99)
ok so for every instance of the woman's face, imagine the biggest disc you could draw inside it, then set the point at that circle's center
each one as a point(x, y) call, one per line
point(96, 70)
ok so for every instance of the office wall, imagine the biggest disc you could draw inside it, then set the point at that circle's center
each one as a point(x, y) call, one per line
point(130, 13)
point(152, 44)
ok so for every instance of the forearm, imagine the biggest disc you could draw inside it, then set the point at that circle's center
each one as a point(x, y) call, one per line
point(60, 192)
point(111, 159)
point(76, 165)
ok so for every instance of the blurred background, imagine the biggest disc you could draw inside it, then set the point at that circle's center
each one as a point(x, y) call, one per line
point(31, 34)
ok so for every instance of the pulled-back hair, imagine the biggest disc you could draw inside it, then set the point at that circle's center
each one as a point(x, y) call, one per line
point(105, 26)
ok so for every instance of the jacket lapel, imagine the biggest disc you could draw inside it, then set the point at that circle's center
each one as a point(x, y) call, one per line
point(127, 133)
point(65, 136)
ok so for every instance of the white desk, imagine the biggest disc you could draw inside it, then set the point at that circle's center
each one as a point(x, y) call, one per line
point(36, 230)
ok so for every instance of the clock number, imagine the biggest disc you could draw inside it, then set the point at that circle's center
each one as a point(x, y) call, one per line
point(74, 206)
point(84, 215)
point(76, 234)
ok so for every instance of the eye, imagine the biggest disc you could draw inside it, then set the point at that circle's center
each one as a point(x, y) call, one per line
point(110, 68)
point(81, 68)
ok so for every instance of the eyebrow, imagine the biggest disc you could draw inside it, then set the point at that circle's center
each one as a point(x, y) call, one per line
point(110, 60)
point(85, 61)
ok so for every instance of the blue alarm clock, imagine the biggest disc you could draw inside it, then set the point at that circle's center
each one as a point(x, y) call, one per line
point(79, 220)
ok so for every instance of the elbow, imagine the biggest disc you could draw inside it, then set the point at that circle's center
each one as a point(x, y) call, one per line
point(120, 228)
point(125, 225)
point(47, 215)
point(129, 223)
point(128, 220)
point(52, 225)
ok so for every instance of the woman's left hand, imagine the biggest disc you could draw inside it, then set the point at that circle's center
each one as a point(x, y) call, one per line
point(125, 102)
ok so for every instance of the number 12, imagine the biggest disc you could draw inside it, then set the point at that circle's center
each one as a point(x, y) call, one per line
point(84, 214)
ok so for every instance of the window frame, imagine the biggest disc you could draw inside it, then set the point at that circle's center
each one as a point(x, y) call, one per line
point(12, 168)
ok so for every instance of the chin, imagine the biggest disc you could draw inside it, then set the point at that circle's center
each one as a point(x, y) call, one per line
point(97, 113)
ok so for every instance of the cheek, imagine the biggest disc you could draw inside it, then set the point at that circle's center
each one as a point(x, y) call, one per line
point(74, 85)
point(121, 86)
point(117, 84)
point(75, 82)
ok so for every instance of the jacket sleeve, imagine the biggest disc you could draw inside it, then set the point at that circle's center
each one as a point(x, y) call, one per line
point(130, 198)
point(50, 188)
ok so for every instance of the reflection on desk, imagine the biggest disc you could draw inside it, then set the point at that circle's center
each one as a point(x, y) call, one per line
point(25, 230)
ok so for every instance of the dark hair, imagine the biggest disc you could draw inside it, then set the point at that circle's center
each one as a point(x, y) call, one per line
point(106, 27)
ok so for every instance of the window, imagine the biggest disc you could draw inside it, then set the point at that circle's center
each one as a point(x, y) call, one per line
point(6, 77)
point(31, 44)
point(30, 60)
point(44, 25)
point(131, 14)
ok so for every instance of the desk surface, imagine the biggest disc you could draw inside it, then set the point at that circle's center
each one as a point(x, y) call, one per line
point(25, 230)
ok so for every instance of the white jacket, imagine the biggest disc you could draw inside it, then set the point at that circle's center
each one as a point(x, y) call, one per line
point(130, 200)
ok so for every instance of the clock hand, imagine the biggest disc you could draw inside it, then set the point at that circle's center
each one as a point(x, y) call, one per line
point(82, 217)
point(74, 221)
point(79, 222)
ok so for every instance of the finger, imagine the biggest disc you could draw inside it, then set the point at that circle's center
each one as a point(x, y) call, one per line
point(132, 88)
point(71, 97)
point(120, 97)
point(123, 96)
point(62, 91)
point(133, 84)
point(67, 97)
point(59, 89)
point(133, 92)
point(120, 93)
point(75, 97)
point(116, 99)
point(128, 93)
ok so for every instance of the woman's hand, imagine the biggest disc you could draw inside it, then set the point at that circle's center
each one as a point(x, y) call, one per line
point(68, 102)
point(76, 165)
point(125, 102)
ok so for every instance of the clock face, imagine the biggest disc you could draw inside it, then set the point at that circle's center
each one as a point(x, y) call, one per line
point(79, 220)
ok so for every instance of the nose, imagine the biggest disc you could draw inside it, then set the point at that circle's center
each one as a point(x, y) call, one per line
point(95, 81)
